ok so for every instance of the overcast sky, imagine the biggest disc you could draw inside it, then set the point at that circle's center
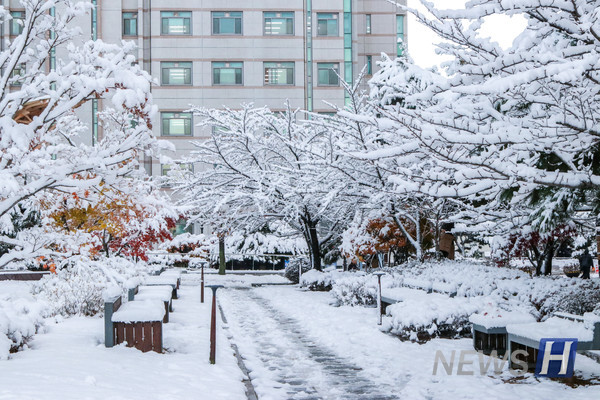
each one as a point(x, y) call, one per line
point(421, 41)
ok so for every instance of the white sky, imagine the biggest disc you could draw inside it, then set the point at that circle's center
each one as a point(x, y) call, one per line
point(421, 40)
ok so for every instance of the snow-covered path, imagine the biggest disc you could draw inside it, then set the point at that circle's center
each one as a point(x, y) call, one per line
point(297, 346)
point(286, 362)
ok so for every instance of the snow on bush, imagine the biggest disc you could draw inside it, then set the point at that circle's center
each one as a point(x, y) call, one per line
point(440, 316)
point(423, 316)
point(355, 289)
point(317, 280)
point(21, 316)
point(291, 270)
point(77, 288)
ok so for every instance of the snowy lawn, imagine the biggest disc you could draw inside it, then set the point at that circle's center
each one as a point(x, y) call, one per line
point(398, 369)
point(71, 362)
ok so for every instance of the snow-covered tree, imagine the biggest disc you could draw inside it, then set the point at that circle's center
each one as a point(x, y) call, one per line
point(260, 167)
point(509, 126)
point(364, 172)
point(41, 151)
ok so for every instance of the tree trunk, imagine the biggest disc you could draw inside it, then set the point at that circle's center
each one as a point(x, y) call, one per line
point(548, 257)
point(315, 249)
point(221, 255)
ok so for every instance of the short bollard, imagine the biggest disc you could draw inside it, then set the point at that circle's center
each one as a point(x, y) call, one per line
point(202, 285)
point(379, 313)
point(213, 323)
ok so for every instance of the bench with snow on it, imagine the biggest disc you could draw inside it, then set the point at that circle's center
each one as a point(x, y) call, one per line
point(163, 293)
point(489, 329)
point(527, 337)
point(173, 273)
point(138, 323)
point(164, 280)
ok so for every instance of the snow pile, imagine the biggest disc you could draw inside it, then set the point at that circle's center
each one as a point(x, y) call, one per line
point(355, 289)
point(21, 316)
point(318, 281)
point(498, 318)
point(438, 315)
point(78, 288)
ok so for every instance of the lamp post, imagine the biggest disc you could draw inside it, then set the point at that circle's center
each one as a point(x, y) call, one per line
point(379, 274)
point(213, 323)
point(202, 284)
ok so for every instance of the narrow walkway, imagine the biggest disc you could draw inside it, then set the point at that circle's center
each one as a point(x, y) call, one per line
point(285, 362)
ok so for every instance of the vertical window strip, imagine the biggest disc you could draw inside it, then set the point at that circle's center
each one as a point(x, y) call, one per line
point(309, 61)
point(348, 73)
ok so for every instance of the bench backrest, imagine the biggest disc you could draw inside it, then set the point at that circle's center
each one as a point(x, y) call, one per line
point(596, 342)
point(131, 292)
point(110, 307)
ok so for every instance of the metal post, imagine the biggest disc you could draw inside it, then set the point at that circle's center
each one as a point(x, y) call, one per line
point(213, 324)
point(202, 284)
point(379, 311)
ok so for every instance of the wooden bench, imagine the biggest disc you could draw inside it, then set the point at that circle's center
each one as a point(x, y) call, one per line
point(163, 280)
point(162, 293)
point(586, 329)
point(489, 330)
point(138, 323)
point(175, 273)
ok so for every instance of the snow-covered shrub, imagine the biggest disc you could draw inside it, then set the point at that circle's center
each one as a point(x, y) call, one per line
point(440, 316)
point(317, 280)
point(21, 316)
point(355, 289)
point(574, 296)
point(77, 288)
point(291, 270)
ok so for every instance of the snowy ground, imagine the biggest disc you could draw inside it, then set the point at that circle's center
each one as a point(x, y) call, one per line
point(71, 362)
point(297, 346)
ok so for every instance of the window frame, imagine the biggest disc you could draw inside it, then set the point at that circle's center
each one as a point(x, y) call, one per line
point(369, 26)
point(369, 63)
point(293, 19)
point(212, 22)
point(331, 67)
point(163, 115)
point(266, 66)
point(164, 16)
point(123, 19)
point(163, 67)
point(241, 67)
point(13, 23)
point(334, 17)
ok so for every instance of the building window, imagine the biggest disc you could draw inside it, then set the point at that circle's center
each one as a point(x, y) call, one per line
point(278, 23)
point(368, 24)
point(176, 73)
point(227, 73)
point(399, 34)
point(327, 24)
point(227, 23)
point(17, 22)
point(184, 167)
point(130, 24)
point(328, 74)
point(176, 124)
point(369, 65)
point(176, 23)
point(181, 227)
point(17, 75)
point(281, 73)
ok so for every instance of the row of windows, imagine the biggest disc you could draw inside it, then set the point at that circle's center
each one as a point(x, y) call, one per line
point(232, 73)
point(223, 23)
point(230, 23)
